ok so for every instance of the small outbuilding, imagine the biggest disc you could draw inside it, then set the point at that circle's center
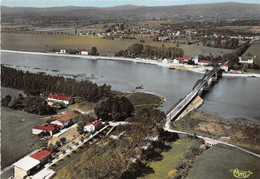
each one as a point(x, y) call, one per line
point(84, 52)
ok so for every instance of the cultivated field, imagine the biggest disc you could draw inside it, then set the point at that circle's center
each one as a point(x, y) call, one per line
point(217, 162)
point(17, 139)
point(253, 50)
point(254, 29)
point(43, 43)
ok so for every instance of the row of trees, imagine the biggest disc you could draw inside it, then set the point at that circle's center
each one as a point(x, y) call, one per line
point(42, 83)
point(151, 52)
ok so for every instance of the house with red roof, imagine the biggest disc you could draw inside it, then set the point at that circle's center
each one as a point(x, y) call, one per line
point(93, 126)
point(43, 156)
point(64, 120)
point(84, 52)
point(60, 99)
point(37, 129)
point(224, 67)
point(203, 62)
point(184, 59)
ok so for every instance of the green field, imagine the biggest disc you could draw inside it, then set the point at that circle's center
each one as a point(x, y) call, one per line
point(253, 50)
point(216, 163)
point(170, 158)
point(16, 136)
point(42, 43)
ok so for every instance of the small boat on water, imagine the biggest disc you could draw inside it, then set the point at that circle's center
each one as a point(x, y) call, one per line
point(140, 87)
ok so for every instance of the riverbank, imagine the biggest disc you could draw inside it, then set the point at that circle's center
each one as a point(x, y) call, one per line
point(193, 68)
point(239, 132)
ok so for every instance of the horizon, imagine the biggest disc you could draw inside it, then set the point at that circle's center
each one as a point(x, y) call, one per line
point(113, 3)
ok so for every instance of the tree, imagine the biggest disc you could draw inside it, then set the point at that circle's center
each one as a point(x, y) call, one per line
point(63, 140)
point(94, 51)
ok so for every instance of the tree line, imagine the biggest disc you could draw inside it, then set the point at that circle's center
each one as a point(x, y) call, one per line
point(138, 50)
point(38, 83)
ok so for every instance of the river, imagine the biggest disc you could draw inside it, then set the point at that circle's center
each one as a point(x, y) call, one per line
point(231, 97)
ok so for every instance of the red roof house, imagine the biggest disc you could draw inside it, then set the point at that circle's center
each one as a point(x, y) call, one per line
point(63, 120)
point(39, 129)
point(42, 156)
point(203, 62)
point(64, 99)
point(91, 127)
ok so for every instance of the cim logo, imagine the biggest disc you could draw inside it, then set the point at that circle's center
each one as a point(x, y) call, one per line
point(241, 174)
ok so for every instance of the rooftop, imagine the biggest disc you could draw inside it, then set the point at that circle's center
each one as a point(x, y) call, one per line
point(42, 154)
point(45, 128)
point(26, 163)
point(64, 98)
point(94, 123)
point(66, 117)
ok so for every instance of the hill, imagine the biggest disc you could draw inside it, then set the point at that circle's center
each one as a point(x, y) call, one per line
point(196, 11)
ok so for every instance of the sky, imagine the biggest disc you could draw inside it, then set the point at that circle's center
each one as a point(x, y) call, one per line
point(109, 3)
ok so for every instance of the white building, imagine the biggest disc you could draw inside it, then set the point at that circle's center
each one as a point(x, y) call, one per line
point(93, 126)
point(203, 62)
point(176, 61)
point(84, 52)
point(224, 67)
point(64, 120)
point(248, 61)
point(60, 99)
point(63, 51)
point(167, 60)
point(25, 167)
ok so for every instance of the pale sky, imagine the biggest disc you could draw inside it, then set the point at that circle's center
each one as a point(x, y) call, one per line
point(109, 3)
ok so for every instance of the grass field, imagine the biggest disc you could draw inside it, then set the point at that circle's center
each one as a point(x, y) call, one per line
point(216, 163)
point(16, 136)
point(41, 43)
point(170, 158)
point(140, 100)
point(254, 29)
point(253, 50)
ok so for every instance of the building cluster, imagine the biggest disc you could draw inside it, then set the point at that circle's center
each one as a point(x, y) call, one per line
point(30, 165)
point(55, 125)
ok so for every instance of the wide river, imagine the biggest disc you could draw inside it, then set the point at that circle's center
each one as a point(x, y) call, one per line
point(231, 97)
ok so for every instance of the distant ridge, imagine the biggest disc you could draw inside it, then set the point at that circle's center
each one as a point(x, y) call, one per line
point(229, 10)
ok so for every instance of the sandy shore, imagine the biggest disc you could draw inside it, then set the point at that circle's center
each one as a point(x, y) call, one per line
point(193, 68)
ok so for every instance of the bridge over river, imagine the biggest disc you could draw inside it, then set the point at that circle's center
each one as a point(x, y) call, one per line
point(200, 86)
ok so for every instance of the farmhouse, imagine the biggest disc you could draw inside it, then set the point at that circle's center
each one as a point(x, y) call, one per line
point(203, 62)
point(44, 129)
point(25, 167)
point(63, 120)
point(184, 59)
point(224, 67)
point(42, 156)
point(84, 52)
point(93, 126)
point(60, 99)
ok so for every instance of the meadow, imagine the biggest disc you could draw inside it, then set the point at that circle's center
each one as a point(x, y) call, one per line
point(217, 162)
point(106, 47)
